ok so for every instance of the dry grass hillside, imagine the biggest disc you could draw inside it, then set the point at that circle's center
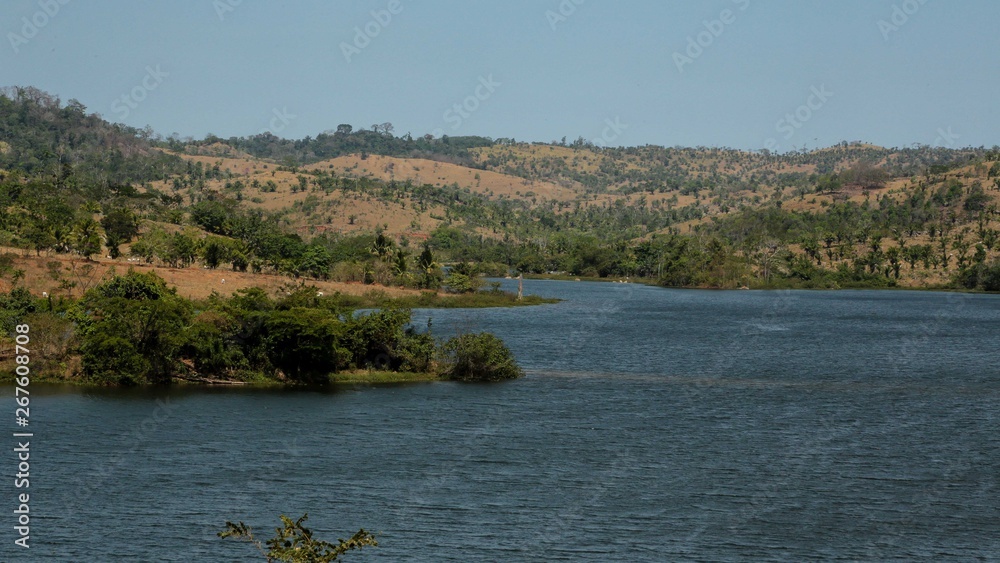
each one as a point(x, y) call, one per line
point(70, 275)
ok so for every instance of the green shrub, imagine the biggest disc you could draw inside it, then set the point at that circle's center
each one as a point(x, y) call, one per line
point(982, 276)
point(306, 344)
point(209, 344)
point(113, 360)
point(479, 357)
point(139, 315)
point(381, 340)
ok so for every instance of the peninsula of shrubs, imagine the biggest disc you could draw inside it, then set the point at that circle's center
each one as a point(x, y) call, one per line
point(133, 329)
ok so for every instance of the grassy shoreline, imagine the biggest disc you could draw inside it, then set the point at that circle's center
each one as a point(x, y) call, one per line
point(378, 377)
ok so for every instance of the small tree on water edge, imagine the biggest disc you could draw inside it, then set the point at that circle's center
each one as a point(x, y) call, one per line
point(294, 543)
point(479, 357)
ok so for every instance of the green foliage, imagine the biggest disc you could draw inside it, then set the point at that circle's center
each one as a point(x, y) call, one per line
point(113, 360)
point(479, 357)
point(381, 340)
point(306, 344)
point(985, 277)
point(14, 306)
point(461, 283)
point(977, 200)
point(120, 226)
point(86, 237)
point(316, 262)
point(212, 216)
point(294, 543)
point(133, 330)
point(209, 341)
point(135, 286)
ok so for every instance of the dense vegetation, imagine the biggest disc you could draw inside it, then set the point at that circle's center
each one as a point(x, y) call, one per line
point(132, 329)
point(342, 141)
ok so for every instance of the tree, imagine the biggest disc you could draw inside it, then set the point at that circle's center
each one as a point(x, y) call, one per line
point(479, 357)
point(132, 330)
point(294, 543)
point(39, 236)
point(382, 246)
point(380, 339)
point(86, 237)
point(428, 268)
point(182, 249)
point(213, 253)
point(316, 262)
point(306, 344)
point(766, 256)
point(893, 254)
point(120, 226)
point(211, 216)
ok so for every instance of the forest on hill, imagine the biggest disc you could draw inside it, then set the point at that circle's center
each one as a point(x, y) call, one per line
point(853, 215)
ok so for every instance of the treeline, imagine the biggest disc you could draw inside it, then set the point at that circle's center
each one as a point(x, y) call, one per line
point(132, 330)
point(378, 140)
point(42, 138)
point(693, 170)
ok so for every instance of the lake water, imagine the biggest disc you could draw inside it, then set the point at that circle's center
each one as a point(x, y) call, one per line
point(653, 425)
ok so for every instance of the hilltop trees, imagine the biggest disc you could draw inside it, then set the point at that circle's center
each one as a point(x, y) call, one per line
point(634, 211)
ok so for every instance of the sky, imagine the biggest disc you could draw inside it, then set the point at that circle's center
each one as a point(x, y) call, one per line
point(747, 74)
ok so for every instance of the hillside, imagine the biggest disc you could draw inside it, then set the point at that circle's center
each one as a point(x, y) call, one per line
point(370, 207)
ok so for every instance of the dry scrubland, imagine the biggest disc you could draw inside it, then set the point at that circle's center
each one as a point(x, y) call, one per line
point(192, 283)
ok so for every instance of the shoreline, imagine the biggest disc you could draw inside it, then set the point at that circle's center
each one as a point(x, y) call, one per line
point(357, 377)
point(652, 283)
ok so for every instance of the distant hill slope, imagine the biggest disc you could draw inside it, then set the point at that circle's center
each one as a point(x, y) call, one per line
point(350, 203)
point(40, 137)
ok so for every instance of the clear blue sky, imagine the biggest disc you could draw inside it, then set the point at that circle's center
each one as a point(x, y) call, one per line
point(239, 69)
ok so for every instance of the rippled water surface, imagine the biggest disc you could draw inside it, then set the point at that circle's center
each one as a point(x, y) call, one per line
point(653, 425)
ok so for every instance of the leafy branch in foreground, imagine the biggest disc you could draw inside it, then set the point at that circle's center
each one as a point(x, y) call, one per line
point(294, 542)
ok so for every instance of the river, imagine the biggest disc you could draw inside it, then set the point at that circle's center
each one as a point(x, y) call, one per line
point(652, 425)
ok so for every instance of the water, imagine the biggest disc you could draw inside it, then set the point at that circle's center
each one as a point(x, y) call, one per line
point(653, 425)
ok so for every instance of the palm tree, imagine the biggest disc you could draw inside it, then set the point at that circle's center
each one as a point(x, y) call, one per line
point(86, 237)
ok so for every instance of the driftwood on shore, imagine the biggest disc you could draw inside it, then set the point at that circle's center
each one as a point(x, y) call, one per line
point(196, 377)
point(206, 380)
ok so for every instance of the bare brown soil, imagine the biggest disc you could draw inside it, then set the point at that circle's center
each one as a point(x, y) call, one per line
point(192, 283)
